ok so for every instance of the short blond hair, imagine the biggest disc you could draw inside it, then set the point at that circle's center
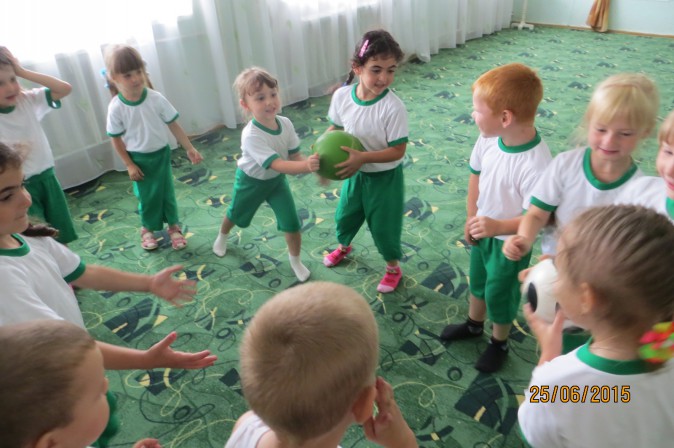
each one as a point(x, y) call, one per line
point(38, 365)
point(666, 133)
point(306, 356)
point(632, 96)
point(514, 87)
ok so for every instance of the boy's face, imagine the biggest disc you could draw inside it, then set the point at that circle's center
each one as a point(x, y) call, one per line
point(665, 166)
point(91, 411)
point(9, 86)
point(14, 202)
point(486, 120)
point(263, 104)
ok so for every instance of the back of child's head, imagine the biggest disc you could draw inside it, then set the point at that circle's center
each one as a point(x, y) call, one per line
point(306, 356)
point(625, 254)
point(9, 159)
point(632, 97)
point(514, 87)
point(120, 59)
point(38, 364)
point(666, 132)
point(251, 80)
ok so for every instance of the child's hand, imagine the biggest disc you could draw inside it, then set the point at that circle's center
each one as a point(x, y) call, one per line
point(147, 443)
point(161, 355)
point(18, 70)
point(351, 165)
point(549, 336)
point(163, 285)
point(467, 236)
point(482, 227)
point(135, 172)
point(313, 163)
point(515, 247)
point(388, 428)
point(194, 156)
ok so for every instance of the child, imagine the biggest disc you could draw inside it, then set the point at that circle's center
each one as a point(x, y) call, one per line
point(615, 278)
point(53, 387)
point(622, 111)
point(20, 115)
point(507, 160)
point(308, 361)
point(25, 258)
point(137, 116)
point(269, 151)
point(374, 188)
point(656, 192)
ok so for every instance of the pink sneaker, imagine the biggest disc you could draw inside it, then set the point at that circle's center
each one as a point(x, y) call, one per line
point(336, 256)
point(391, 279)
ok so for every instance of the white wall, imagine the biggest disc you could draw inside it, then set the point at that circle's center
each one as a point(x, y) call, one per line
point(639, 16)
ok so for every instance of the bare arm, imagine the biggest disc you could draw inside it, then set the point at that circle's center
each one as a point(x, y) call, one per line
point(531, 223)
point(296, 165)
point(135, 173)
point(179, 133)
point(58, 87)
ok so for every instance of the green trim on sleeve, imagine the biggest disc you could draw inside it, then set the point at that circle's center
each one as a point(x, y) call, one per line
point(173, 119)
point(294, 150)
point(398, 142)
point(267, 163)
point(77, 273)
point(54, 104)
point(472, 171)
point(116, 135)
point(542, 205)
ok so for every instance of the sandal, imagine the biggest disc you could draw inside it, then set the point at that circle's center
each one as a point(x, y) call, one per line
point(336, 256)
point(178, 240)
point(148, 241)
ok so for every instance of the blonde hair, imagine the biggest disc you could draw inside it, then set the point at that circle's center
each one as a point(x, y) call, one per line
point(632, 96)
point(120, 59)
point(666, 133)
point(38, 362)
point(251, 80)
point(514, 87)
point(306, 356)
point(624, 253)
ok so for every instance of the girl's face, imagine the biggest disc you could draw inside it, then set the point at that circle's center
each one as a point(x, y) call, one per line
point(665, 166)
point(130, 84)
point(9, 86)
point(91, 411)
point(263, 104)
point(615, 140)
point(376, 75)
point(14, 202)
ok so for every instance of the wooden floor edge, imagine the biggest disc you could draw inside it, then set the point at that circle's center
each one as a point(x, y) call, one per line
point(587, 28)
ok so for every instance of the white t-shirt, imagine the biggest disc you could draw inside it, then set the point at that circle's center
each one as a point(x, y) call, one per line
point(568, 187)
point(507, 175)
point(378, 124)
point(249, 433)
point(649, 191)
point(642, 417)
point(260, 146)
point(20, 129)
point(34, 279)
point(141, 124)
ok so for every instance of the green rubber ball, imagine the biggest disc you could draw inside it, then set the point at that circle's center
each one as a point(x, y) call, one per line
point(329, 149)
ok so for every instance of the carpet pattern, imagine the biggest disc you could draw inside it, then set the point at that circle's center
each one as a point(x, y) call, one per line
point(446, 401)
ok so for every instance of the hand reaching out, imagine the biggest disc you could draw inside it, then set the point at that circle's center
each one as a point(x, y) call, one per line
point(174, 291)
point(161, 355)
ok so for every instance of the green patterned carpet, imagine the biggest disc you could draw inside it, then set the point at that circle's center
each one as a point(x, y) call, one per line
point(446, 401)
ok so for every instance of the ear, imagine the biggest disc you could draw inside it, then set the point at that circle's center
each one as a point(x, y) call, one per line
point(364, 404)
point(588, 298)
point(507, 118)
point(357, 69)
point(243, 105)
point(46, 440)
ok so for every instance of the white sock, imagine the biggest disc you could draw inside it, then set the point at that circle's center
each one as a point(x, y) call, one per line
point(301, 271)
point(220, 244)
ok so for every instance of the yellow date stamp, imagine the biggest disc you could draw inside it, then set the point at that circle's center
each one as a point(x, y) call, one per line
point(579, 394)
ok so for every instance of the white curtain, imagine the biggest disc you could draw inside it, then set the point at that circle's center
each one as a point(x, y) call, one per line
point(194, 54)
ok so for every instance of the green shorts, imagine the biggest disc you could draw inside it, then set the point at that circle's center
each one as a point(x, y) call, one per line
point(249, 193)
point(156, 193)
point(378, 199)
point(50, 205)
point(493, 278)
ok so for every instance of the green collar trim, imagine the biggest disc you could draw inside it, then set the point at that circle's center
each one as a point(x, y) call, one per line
point(521, 148)
point(7, 110)
point(133, 103)
point(20, 251)
point(632, 367)
point(669, 205)
point(266, 129)
point(599, 185)
point(369, 102)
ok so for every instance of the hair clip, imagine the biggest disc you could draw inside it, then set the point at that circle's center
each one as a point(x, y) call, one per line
point(104, 74)
point(657, 345)
point(363, 49)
